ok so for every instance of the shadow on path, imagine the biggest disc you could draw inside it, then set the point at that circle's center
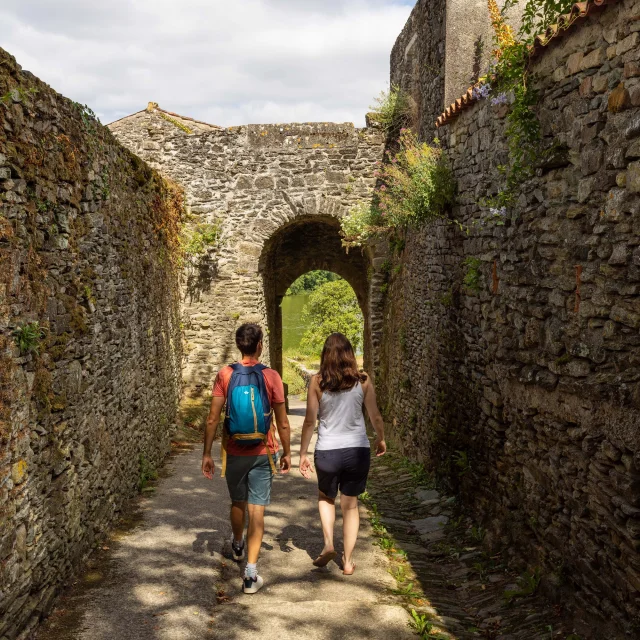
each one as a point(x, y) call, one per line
point(170, 576)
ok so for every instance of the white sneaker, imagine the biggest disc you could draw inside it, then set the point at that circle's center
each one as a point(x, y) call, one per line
point(238, 550)
point(252, 585)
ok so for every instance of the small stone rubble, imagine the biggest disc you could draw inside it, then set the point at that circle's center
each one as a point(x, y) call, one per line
point(460, 587)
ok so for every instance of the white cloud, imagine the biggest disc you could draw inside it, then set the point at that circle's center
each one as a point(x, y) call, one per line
point(227, 62)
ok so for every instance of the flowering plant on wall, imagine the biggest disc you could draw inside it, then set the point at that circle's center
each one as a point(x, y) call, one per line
point(510, 83)
point(416, 184)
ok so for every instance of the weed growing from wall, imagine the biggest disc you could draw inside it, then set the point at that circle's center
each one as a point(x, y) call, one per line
point(416, 185)
point(393, 110)
point(28, 337)
point(473, 277)
point(197, 241)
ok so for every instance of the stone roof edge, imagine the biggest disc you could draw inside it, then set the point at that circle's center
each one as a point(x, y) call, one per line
point(579, 11)
point(153, 106)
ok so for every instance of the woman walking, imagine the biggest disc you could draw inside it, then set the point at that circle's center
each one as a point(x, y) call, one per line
point(336, 396)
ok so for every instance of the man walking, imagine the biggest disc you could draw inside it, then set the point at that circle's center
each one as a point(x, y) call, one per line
point(253, 393)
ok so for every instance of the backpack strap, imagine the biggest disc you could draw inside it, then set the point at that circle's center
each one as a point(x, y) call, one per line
point(258, 368)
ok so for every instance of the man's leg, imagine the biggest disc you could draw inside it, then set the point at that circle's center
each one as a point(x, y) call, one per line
point(237, 482)
point(238, 509)
point(259, 496)
point(255, 532)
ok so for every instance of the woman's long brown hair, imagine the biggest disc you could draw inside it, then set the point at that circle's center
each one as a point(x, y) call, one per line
point(338, 365)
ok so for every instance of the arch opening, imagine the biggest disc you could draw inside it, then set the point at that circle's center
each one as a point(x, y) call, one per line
point(307, 244)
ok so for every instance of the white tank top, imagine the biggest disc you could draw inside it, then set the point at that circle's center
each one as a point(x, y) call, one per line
point(342, 420)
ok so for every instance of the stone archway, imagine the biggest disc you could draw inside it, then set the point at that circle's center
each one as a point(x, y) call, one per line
point(305, 244)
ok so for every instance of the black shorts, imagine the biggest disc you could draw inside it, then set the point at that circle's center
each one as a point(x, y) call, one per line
point(343, 469)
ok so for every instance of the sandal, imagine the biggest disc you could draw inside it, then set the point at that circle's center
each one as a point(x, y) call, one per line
point(324, 559)
point(344, 571)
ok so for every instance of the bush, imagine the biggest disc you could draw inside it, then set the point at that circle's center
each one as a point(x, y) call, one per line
point(359, 224)
point(393, 110)
point(417, 185)
point(332, 307)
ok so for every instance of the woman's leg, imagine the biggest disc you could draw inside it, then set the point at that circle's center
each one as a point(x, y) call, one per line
point(327, 508)
point(351, 525)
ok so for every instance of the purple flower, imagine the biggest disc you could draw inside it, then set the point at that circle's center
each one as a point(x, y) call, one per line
point(481, 92)
point(499, 99)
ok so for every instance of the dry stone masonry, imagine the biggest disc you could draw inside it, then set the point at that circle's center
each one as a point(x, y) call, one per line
point(506, 348)
point(524, 391)
point(278, 193)
point(86, 251)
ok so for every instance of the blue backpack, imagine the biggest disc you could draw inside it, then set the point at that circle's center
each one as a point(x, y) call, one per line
point(248, 413)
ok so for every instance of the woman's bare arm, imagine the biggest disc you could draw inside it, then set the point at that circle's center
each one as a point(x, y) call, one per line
point(310, 419)
point(371, 406)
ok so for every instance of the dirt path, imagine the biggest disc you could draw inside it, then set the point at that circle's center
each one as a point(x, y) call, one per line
point(170, 578)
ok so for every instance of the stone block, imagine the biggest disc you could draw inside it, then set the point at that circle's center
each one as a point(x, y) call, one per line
point(633, 177)
point(627, 44)
point(631, 69)
point(574, 63)
point(620, 254)
point(430, 525)
point(625, 316)
point(594, 59)
point(600, 83)
point(19, 472)
point(591, 159)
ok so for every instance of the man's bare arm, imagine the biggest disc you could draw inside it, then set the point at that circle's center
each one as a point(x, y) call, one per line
point(284, 431)
point(213, 419)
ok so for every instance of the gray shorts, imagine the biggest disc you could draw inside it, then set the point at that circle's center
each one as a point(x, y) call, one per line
point(249, 479)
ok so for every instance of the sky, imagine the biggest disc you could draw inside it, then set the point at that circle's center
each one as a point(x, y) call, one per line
point(225, 62)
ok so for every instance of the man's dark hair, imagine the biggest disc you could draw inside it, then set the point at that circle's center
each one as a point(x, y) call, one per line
point(247, 338)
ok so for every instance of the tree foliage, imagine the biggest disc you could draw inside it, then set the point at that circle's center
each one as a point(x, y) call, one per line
point(332, 307)
point(310, 281)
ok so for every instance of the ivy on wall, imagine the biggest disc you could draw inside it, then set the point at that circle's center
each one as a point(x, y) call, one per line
point(509, 80)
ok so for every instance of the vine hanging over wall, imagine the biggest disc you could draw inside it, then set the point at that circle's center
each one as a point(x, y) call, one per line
point(509, 79)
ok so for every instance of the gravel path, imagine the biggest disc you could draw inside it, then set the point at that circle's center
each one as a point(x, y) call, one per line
point(170, 576)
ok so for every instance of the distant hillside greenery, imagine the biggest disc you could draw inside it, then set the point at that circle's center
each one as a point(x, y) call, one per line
point(311, 281)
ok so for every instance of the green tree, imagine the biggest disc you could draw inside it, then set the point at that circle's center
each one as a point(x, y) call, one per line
point(310, 281)
point(332, 307)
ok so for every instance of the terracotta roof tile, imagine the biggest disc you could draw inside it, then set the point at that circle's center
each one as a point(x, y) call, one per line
point(579, 10)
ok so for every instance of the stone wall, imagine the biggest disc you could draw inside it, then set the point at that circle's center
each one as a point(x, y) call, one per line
point(443, 49)
point(524, 390)
point(273, 189)
point(417, 62)
point(87, 247)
